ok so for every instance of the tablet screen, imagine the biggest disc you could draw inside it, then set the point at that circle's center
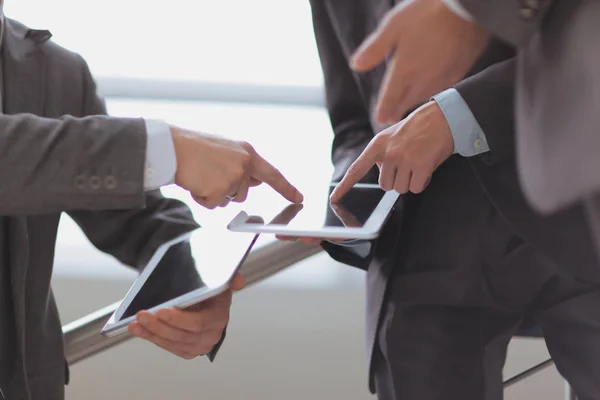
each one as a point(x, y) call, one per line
point(352, 211)
point(206, 259)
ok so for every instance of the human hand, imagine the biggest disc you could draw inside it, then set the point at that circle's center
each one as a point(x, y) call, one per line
point(217, 170)
point(432, 48)
point(188, 333)
point(407, 153)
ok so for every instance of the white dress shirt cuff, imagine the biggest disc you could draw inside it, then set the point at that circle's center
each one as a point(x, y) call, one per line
point(469, 138)
point(161, 163)
point(458, 9)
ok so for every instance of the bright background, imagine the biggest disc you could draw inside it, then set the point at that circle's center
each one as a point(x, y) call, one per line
point(298, 335)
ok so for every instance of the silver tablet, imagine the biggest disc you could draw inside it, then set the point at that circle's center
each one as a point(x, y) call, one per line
point(183, 272)
point(359, 215)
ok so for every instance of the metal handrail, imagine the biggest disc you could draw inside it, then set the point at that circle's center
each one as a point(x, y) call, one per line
point(528, 372)
point(569, 394)
point(83, 339)
point(212, 92)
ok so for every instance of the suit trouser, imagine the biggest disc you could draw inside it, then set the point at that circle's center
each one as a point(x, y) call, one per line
point(459, 365)
point(451, 310)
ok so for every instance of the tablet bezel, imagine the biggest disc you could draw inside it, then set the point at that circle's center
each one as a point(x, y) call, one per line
point(115, 325)
point(370, 230)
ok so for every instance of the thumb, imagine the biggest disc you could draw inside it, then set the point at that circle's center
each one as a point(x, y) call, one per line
point(374, 50)
point(238, 282)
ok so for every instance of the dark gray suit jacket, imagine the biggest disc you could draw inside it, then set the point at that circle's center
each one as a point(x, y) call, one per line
point(55, 158)
point(340, 26)
point(557, 96)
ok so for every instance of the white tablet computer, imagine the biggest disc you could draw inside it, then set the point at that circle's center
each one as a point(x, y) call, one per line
point(361, 214)
point(183, 272)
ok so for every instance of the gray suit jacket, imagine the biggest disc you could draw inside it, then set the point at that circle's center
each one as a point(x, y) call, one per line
point(340, 26)
point(557, 96)
point(53, 159)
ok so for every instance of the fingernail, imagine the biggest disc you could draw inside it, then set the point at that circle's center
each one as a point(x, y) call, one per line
point(354, 60)
point(428, 182)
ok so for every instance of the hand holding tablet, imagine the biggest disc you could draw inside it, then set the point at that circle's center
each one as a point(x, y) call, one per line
point(200, 268)
point(188, 270)
point(191, 332)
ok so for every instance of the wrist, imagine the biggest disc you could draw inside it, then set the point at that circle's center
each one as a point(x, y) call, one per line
point(180, 139)
point(440, 125)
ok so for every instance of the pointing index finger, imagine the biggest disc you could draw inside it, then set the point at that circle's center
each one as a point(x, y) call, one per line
point(357, 170)
point(267, 173)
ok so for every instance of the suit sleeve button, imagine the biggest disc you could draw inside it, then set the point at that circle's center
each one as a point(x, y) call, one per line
point(80, 181)
point(110, 182)
point(95, 182)
point(527, 12)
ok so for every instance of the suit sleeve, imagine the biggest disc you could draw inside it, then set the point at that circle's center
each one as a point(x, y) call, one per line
point(513, 21)
point(52, 165)
point(348, 113)
point(133, 235)
point(490, 96)
point(130, 234)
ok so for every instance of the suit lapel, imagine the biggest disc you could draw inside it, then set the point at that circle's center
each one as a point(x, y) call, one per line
point(23, 73)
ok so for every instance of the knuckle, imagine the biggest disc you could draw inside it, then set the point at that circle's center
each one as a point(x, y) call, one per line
point(380, 140)
point(353, 169)
point(392, 156)
point(275, 172)
point(425, 167)
point(246, 146)
point(237, 175)
point(245, 160)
